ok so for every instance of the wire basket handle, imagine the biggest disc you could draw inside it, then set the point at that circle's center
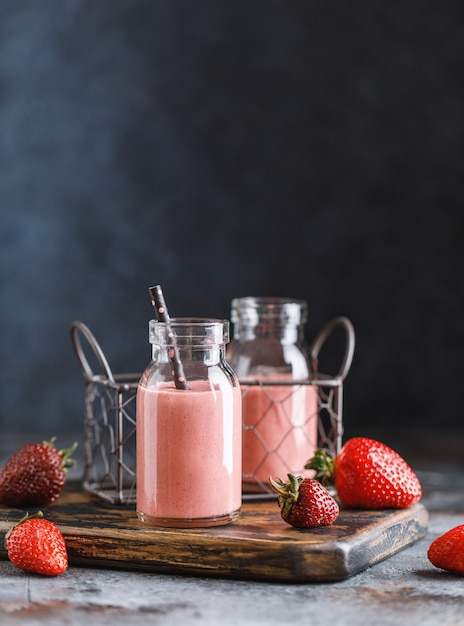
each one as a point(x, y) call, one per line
point(321, 337)
point(80, 328)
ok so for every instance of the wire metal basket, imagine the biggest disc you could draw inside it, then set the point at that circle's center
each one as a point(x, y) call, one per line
point(109, 424)
point(110, 413)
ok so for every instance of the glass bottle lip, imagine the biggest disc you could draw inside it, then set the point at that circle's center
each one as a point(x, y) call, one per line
point(182, 331)
point(251, 310)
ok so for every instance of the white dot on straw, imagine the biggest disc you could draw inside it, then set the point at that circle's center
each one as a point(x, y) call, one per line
point(161, 309)
point(181, 379)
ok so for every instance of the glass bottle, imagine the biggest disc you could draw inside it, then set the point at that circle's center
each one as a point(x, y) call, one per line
point(188, 439)
point(279, 404)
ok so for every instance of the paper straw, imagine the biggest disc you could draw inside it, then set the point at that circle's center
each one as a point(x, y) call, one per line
point(161, 310)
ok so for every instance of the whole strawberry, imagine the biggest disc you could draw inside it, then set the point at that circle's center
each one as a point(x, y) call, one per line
point(368, 474)
point(36, 545)
point(35, 475)
point(304, 502)
point(447, 551)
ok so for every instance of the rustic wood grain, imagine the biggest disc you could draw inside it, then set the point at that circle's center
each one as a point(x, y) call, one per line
point(259, 546)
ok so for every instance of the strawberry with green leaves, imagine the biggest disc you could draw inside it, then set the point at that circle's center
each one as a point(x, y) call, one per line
point(447, 551)
point(36, 545)
point(304, 502)
point(368, 474)
point(35, 475)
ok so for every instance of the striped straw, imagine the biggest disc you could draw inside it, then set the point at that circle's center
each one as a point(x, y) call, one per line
point(161, 310)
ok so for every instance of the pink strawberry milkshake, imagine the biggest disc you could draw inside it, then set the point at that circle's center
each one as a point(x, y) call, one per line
point(280, 431)
point(188, 454)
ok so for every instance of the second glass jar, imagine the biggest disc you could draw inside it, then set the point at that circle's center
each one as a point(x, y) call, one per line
point(279, 404)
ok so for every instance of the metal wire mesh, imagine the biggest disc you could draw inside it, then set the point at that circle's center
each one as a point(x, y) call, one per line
point(294, 419)
point(110, 438)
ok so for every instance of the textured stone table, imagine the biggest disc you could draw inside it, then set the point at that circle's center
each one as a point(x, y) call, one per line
point(403, 589)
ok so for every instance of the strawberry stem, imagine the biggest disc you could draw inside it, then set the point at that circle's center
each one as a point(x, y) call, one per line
point(287, 491)
point(66, 457)
point(324, 465)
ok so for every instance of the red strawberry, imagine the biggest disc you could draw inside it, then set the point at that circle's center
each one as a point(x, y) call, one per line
point(304, 502)
point(35, 475)
point(37, 545)
point(368, 474)
point(447, 551)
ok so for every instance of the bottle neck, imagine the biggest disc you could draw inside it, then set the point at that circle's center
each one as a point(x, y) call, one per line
point(201, 340)
point(211, 354)
point(269, 332)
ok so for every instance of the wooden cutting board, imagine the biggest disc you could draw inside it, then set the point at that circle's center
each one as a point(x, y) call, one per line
point(259, 546)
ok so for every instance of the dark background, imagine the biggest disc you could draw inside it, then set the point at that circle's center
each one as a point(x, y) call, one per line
point(300, 149)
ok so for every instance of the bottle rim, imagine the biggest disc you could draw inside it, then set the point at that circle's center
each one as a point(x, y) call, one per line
point(255, 309)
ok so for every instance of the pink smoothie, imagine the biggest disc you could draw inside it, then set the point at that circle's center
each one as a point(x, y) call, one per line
point(188, 455)
point(280, 432)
